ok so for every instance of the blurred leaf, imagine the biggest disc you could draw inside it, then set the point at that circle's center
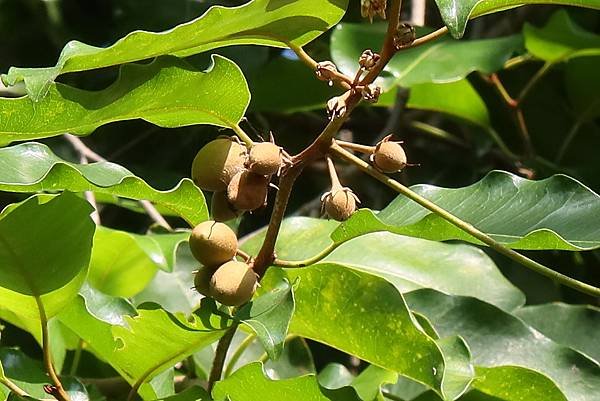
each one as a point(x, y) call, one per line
point(561, 38)
point(443, 61)
point(174, 291)
point(335, 375)
point(368, 383)
point(29, 375)
point(555, 213)
point(583, 87)
point(269, 316)
point(457, 14)
point(32, 167)
point(260, 22)
point(250, 383)
point(408, 263)
point(44, 254)
point(458, 99)
point(195, 393)
point(459, 371)
point(362, 315)
point(570, 325)
point(498, 339)
point(167, 92)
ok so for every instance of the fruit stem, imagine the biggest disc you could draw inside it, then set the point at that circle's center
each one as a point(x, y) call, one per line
point(235, 357)
point(335, 181)
point(242, 135)
point(468, 228)
point(356, 147)
point(220, 355)
point(340, 79)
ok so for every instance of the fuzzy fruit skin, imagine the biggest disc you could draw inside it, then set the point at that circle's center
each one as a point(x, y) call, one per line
point(221, 209)
point(264, 158)
point(202, 280)
point(213, 243)
point(248, 191)
point(233, 283)
point(216, 163)
point(389, 157)
point(340, 205)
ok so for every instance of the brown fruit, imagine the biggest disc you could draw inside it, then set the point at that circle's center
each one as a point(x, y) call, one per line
point(389, 157)
point(340, 203)
point(233, 283)
point(213, 243)
point(217, 162)
point(265, 158)
point(248, 190)
point(202, 280)
point(221, 209)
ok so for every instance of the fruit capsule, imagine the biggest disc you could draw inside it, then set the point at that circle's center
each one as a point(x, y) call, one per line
point(217, 162)
point(233, 283)
point(248, 190)
point(213, 243)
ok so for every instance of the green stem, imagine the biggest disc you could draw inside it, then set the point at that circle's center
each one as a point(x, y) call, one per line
point(242, 135)
point(533, 81)
point(437, 133)
point(13, 387)
point(60, 392)
point(501, 144)
point(309, 261)
point(76, 358)
point(238, 354)
point(466, 227)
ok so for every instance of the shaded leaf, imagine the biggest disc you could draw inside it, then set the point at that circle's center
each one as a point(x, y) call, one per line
point(32, 167)
point(269, 316)
point(167, 92)
point(194, 393)
point(442, 61)
point(261, 22)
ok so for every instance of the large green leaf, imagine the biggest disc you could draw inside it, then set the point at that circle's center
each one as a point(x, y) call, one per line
point(408, 263)
point(167, 92)
point(362, 315)
point(262, 22)
point(442, 61)
point(560, 39)
point(555, 213)
point(497, 339)
point(250, 384)
point(456, 14)
point(44, 254)
point(571, 325)
point(33, 167)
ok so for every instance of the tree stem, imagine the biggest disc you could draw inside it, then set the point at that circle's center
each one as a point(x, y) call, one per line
point(221, 353)
point(468, 228)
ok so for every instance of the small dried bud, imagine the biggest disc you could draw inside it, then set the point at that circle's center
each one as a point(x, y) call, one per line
point(389, 157)
point(326, 71)
point(371, 93)
point(339, 203)
point(370, 8)
point(405, 35)
point(368, 59)
point(336, 107)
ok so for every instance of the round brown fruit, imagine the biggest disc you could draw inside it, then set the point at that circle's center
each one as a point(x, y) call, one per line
point(265, 158)
point(389, 157)
point(217, 162)
point(233, 283)
point(248, 190)
point(221, 209)
point(213, 243)
point(340, 204)
point(202, 280)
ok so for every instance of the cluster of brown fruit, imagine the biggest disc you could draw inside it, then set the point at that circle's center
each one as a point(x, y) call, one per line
point(239, 176)
point(221, 277)
point(387, 156)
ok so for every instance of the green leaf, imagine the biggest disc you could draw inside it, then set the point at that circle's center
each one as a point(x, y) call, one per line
point(369, 382)
point(445, 60)
point(362, 315)
point(570, 325)
point(32, 167)
point(335, 375)
point(456, 14)
point(555, 213)
point(457, 99)
point(583, 88)
point(408, 263)
point(29, 375)
point(194, 393)
point(250, 383)
point(44, 253)
point(561, 39)
point(269, 316)
point(111, 310)
point(498, 339)
point(261, 22)
point(167, 92)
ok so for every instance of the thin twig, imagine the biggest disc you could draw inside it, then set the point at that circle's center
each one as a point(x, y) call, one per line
point(13, 387)
point(341, 79)
point(238, 354)
point(221, 353)
point(84, 150)
point(464, 226)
